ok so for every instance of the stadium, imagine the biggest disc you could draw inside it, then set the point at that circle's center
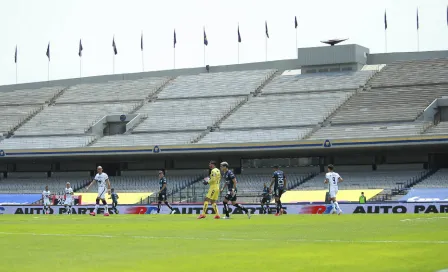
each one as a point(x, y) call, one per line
point(380, 118)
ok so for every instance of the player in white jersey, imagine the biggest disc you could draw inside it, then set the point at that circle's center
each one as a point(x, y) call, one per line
point(68, 198)
point(103, 185)
point(333, 178)
point(46, 200)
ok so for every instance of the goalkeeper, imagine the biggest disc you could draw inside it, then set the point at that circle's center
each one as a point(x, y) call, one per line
point(213, 191)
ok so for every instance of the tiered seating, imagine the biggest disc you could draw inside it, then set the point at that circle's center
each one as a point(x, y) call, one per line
point(413, 72)
point(26, 183)
point(359, 179)
point(14, 115)
point(46, 142)
point(113, 91)
point(216, 84)
point(370, 130)
point(254, 136)
point(441, 128)
point(285, 110)
point(388, 104)
point(28, 97)
point(70, 118)
point(437, 180)
point(318, 82)
point(146, 139)
point(185, 114)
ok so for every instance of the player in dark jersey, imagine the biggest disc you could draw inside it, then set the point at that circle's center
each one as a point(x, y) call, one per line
point(230, 182)
point(114, 196)
point(279, 182)
point(162, 192)
point(266, 199)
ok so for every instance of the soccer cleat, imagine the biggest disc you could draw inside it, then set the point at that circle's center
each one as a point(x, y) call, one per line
point(277, 214)
point(173, 212)
point(225, 217)
point(92, 213)
point(281, 211)
point(106, 214)
point(340, 212)
point(217, 217)
point(248, 214)
point(201, 216)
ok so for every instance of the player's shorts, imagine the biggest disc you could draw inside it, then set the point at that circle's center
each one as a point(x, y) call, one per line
point(47, 202)
point(230, 197)
point(213, 194)
point(278, 192)
point(333, 192)
point(266, 199)
point(68, 201)
point(102, 193)
point(162, 196)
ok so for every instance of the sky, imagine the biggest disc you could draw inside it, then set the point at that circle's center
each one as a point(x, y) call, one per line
point(32, 24)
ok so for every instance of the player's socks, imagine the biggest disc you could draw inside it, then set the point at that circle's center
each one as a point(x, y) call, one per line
point(106, 209)
point(69, 209)
point(241, 207)
point(204, 209)
point(337, 206)
point(226, 209)
point(267, 209)
point(96, 208)
point(158, 207)
point(278, 206)
point(168, 205)
point(215, 208)
point(333, 206)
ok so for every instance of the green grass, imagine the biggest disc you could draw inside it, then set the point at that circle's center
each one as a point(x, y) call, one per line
point(264, 243)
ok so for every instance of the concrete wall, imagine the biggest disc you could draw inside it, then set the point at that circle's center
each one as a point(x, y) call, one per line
point(387, 58)
point(327, 55)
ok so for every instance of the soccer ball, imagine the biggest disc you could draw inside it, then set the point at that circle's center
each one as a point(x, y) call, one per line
point(206, 180)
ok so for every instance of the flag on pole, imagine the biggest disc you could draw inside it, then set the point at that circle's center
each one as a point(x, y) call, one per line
point(385, 20)
point(80, 48)
point(48, 52)
point(266, 26)
point(15, 56)
point(295, 22)
point(239, 35)
point(175, 40)
point(141, 42)
point(418, 23)
point(114, 46)
point(205, 38)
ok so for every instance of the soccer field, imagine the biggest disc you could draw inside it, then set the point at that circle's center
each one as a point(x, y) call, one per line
point(263, 243)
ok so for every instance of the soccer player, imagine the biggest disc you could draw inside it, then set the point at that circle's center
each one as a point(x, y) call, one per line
point(332, 179)
point(279, 182)
point(162, 192)
point(68, 198)
point(114, 196)
point(213, 191)
point(103, 181)
point(46, 200)
point(266, 199)
point(230, 182)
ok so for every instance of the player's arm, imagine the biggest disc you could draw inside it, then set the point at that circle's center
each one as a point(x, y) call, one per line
point(108, 186)
point(340, 179)
point(234, 184)
point(272, 183)
point(88, 186)
point(163, 187)
point(326, 179)
point(284, 183)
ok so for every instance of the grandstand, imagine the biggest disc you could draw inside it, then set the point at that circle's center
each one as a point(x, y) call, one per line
point(437, 180)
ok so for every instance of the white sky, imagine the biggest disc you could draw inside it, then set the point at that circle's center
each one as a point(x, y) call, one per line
point(32, 24)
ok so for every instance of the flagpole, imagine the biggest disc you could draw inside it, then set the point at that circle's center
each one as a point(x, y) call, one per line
point(418, 40)
point(174, 64)
point(143, 62)
point(296, 49)
point(204, 54)
point(238, 52)
point(48, 79)
point(113, 65)
point(266, 48)
point(80, 67)
point(385, 40)
point(16, 72)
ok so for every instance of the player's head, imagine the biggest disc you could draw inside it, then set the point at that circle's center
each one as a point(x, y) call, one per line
point(112, 190)
point(362, 193)
point(99, 169)
point(67, 185)
point(330, 167)
point(265, 185)
point(224, 166)
point(212, 164)
point(161, 173)
point(276, 167)
point(46, 188)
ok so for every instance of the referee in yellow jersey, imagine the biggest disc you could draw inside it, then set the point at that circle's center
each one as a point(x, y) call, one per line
point(213, 191)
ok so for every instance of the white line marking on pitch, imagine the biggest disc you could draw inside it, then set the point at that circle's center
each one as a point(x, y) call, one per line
point(423, 218)
point(231, 239)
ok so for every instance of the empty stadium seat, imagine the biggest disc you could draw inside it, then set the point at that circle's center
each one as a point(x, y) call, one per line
point(440, 129)
point(255, 135)
point(146, 139)
point(46, 142)
point(437, 180)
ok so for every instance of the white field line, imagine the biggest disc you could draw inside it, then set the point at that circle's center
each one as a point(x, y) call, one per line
point(423, 218)
point(230, 239)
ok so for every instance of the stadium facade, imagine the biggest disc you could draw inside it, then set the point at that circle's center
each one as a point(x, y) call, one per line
point(429, 150)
